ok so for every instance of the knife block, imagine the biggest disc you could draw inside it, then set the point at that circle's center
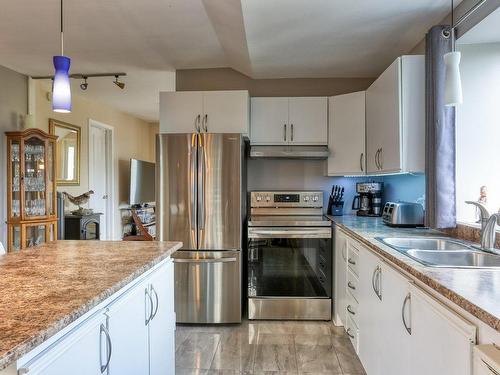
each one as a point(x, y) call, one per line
point(336, 209)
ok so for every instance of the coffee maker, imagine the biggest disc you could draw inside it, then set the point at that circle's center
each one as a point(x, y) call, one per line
point(368, 202)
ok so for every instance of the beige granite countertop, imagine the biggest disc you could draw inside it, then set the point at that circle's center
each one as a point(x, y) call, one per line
point(44, 289)
point(475, 290)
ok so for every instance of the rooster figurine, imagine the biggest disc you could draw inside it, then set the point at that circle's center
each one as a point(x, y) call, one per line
point(79, 200)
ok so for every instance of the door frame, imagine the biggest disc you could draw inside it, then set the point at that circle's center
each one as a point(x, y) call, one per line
point(110, 168)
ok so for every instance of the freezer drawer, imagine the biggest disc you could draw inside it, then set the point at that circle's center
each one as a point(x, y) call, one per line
point(208, 286)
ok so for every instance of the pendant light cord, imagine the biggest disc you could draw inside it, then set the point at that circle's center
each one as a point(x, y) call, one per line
point(62, 33)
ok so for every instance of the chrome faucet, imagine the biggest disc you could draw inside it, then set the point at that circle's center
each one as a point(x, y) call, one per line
point(488, 237)
point(488, 223)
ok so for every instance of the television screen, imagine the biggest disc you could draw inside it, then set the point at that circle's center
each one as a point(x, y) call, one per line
point(142, 182)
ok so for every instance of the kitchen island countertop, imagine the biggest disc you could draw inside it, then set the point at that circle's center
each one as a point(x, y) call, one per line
point(477, 291)
point(46, 288)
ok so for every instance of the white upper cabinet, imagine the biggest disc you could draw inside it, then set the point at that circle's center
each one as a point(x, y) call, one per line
point(204, 111)
point(297, 121)
point(225, 112)
point(346, 134)
point(269, 121)
point(308, 119)
point(180, 112)
point(395, 118)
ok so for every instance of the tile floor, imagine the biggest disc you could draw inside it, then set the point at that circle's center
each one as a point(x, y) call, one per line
point(265, 347)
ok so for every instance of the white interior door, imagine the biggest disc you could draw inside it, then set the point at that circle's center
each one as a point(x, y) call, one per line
point(100, 175)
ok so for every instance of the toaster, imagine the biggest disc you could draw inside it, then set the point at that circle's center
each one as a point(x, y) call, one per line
point(403, 214)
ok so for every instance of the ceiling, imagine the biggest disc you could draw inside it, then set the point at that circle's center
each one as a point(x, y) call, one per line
point(486, 31)
point(150, 39)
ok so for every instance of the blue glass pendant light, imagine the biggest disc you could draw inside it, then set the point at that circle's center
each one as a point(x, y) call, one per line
point(61, 89)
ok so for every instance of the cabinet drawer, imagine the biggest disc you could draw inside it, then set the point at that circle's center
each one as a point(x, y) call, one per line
point(352, 309)
point(353, 284)
point(353, 333)
point(353, 259)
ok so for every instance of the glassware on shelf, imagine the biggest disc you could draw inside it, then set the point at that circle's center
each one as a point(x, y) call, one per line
point(35, 207)
point(16, 208)
point(14, 152)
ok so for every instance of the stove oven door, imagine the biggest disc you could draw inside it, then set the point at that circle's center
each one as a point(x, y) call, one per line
point(289, 272)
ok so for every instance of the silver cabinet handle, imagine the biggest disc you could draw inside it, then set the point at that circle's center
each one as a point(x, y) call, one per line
point(493, 371)
point(109, 347)
point(377, 159)
point(291, 133)
point(194, 187)
point(406, 300)
point(205, 123)
point(349, 333)
point(201, 187)
point(205, 260)
point(350, 261)
point(380, 161)
point(197, 123)
point(343, 252)
point(284, 132)
point(378, 279)
point(349, 310)
point(157, 302)
point(361, 162)
point(374, 275)
point(349, 284)
point(150, 316)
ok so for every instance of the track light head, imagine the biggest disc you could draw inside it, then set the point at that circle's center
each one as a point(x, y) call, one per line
point(121, 85)
point(84, 85)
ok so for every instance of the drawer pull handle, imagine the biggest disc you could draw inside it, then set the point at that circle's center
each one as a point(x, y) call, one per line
point(349, 284)
point(351, 261)
point(349, 333)
point(349, 310)
point(109, 348)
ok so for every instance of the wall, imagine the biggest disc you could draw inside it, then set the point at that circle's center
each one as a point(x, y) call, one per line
point(133, 138)
point(478, 130)
point(404, 187)
point(229, 79)
point(13, 108)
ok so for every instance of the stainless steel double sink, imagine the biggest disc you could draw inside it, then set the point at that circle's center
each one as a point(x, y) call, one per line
point(442, 252)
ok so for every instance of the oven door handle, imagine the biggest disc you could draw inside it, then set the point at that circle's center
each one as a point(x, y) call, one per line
point(289, 232)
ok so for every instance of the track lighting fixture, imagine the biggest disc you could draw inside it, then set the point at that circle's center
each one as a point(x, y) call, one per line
point(118, 83)
point(85, 84)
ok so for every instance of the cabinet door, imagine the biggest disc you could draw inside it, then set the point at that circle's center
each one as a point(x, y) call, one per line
point(340, 302)
point(441, 341)
point(394, 337)
point(162, 325)
point(269, 121)
point(180, 111)
point(225, 112)
point(78, 352)
point(308, 118)
point(346, 135)
point(370, 312)
point(127, 320)
point(383, 121)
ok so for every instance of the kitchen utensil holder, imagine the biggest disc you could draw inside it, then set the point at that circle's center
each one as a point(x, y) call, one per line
point(337, 209)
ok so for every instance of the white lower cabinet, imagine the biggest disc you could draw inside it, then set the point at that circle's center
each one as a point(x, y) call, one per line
point(398, 328)
point(162, 325)
point(82, 352)
point(340, 301)
point(441, 341)
point(133, 334)
point(127, 320)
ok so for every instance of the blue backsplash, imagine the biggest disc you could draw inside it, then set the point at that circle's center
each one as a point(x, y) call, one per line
point(404, 187)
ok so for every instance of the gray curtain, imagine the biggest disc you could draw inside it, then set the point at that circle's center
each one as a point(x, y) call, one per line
point(440, 136)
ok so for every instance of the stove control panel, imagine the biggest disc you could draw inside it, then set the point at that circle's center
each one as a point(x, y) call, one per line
point(286, 199)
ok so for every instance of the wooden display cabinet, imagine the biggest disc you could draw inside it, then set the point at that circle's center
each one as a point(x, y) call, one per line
point(31, 189)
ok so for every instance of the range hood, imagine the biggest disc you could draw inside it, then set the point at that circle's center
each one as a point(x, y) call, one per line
point(290, 152)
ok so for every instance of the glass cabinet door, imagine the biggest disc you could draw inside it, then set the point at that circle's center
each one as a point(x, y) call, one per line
point(35, 199)
point(35, 235)
point(15, 236)
point(51, 186)
point(15, 176)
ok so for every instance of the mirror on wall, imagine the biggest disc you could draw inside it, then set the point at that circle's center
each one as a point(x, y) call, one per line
point(67, 152)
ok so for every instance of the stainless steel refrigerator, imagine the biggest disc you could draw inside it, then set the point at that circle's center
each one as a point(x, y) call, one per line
point(201, 202)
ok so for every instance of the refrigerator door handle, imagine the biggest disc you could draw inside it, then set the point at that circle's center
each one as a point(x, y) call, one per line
point(201, 185)
point(194, 188)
